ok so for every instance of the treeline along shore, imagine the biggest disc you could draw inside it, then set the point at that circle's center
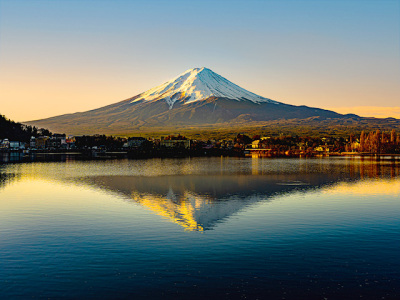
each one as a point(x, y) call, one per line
point(25, 143)
point(61, 147)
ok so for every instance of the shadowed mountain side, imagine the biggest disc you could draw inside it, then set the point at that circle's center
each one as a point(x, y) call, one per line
point(219, 110)
point(199, 202)
point(127, 115)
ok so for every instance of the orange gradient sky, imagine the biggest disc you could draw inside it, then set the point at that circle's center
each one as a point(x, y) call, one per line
point(60, 57)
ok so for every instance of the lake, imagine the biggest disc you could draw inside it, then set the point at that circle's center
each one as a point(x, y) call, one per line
point(201, 228)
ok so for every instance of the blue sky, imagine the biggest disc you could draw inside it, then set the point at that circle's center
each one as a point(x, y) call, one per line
point(65, 56)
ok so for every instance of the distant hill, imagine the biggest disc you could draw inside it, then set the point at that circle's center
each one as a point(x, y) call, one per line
point(18, 132)
point(196, 99)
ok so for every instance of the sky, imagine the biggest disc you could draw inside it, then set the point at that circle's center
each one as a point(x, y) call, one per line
point(60, 57)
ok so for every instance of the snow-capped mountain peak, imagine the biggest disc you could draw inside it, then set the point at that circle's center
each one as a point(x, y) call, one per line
point(197, 84)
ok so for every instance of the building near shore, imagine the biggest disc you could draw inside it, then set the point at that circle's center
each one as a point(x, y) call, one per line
point(135, 142)
point(175, 143)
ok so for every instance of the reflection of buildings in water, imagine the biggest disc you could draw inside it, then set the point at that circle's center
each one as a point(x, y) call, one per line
point(9, 157)
point(254, 164)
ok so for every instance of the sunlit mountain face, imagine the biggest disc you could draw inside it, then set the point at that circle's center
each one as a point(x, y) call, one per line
point(197, 97)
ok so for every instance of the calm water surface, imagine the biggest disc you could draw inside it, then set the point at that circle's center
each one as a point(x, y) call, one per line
point(201, 228)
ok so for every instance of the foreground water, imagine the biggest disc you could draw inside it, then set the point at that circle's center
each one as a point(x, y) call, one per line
point(204, 228)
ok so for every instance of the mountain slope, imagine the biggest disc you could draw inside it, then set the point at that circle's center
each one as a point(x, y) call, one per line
point(196, 97)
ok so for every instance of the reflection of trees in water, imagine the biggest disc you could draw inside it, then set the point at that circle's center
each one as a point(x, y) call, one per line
point(6, 178)
point(366, 167)
point(349, 167)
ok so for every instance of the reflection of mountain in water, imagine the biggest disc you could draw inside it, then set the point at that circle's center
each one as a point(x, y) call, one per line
point(198, 202)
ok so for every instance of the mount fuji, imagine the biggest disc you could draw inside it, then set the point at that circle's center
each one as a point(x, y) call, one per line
point(196, 98)
point(196, 85)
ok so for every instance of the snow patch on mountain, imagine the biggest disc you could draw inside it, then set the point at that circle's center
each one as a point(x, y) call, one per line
point(198, 84)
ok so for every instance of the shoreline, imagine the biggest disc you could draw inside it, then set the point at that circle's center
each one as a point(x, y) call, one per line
point(63, 156)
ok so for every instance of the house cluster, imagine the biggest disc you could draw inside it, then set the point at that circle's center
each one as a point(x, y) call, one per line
point(175, 142)
point(294, 146)
point(102, 142)
point(56, 141)
point(11, 145)
point(373, 142)
point(134, 142)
